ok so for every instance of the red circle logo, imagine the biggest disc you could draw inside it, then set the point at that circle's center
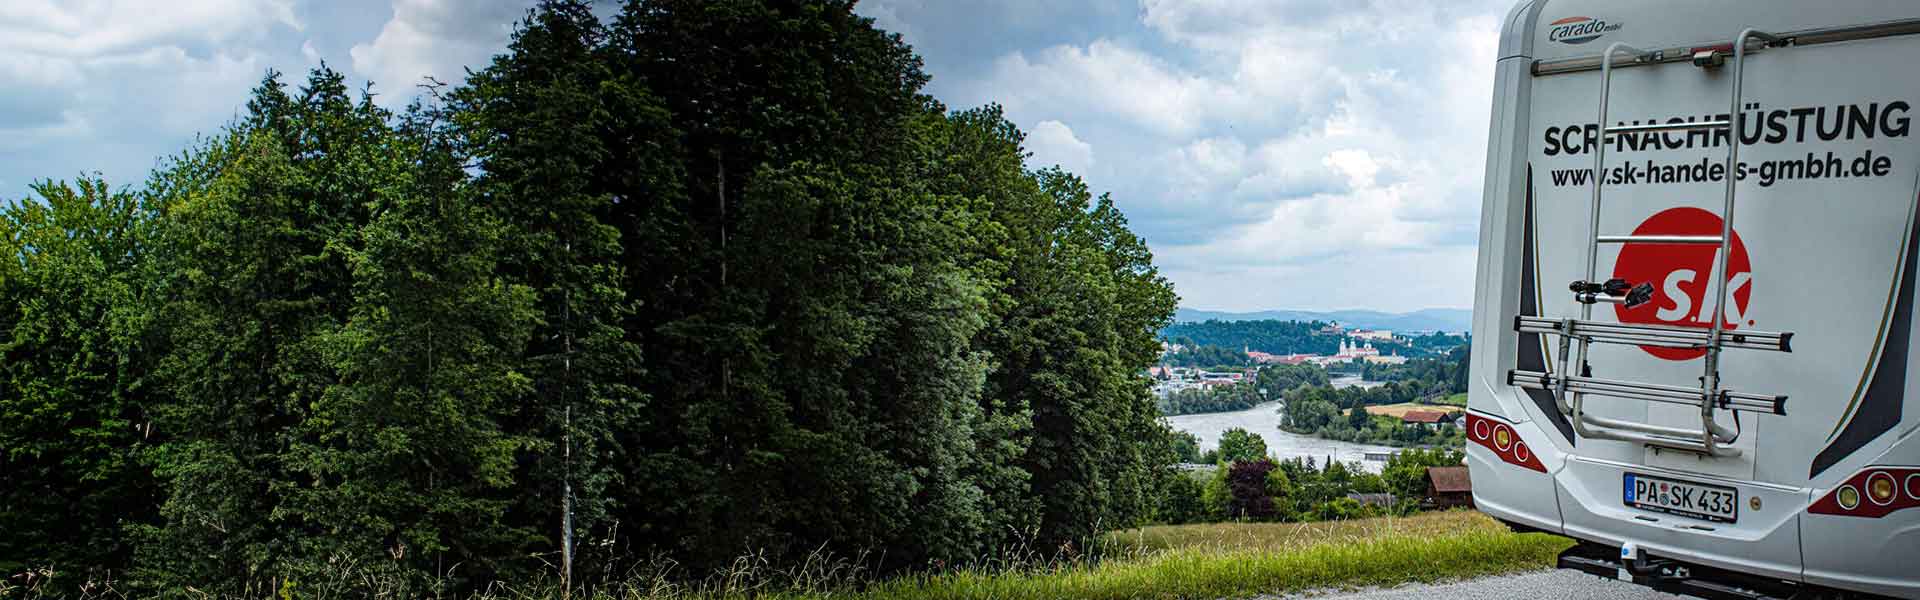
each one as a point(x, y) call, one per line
point(1681, 275)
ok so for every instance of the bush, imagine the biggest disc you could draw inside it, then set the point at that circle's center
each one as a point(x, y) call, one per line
point(1247, 490)
point(1182, 501)
point(1339, 509)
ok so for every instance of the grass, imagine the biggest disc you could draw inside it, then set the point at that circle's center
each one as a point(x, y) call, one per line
point(1224, 560)
point(1459, 399)
point(1241, 560)
point(1400, 410)
point(1285, 536)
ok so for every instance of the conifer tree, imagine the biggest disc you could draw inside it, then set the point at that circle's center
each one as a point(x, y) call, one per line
point(536, 118)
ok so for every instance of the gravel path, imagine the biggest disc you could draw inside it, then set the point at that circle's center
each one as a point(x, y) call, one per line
point(1543, 585)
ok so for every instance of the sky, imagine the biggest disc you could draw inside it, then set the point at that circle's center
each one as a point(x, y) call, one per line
point(1275, 154)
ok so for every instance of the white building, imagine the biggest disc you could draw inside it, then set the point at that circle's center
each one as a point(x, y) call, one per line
point(1352, 351)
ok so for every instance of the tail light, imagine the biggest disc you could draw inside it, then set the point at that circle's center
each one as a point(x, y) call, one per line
point(1872, 493)
point(1503, 441)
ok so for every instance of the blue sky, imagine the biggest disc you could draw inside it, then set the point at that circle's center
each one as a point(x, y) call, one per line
point(1275, 154)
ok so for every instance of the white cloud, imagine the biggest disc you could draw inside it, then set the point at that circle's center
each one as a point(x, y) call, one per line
point(1270, 138)
point(1114, 80)
point(886, 15)
point(1053, 143)
point(1392, 280)
point(1355, 164)
point(94, 84)
point(90, 28)
point(435, 38)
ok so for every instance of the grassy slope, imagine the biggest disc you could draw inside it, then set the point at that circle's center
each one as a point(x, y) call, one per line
point(1238, 560)
point(1400, 410)
point(1228, 560)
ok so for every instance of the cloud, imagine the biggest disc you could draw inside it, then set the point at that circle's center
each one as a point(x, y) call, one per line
point(1053, 143)
point(886, 15)
point(1393, 280)
point(435, 38)
point(111, 85)
point(87, 29)
point(1252, 140)
point(1285, 153)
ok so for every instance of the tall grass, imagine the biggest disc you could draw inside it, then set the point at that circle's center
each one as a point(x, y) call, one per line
point(1187, 561)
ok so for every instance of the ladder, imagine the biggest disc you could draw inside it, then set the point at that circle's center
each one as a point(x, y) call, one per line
point(1571, 390)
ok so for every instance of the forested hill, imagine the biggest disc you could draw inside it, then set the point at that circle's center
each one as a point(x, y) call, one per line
point(1286, 337)
point(1452, 320)
point(1273, 337)
point(709, 279)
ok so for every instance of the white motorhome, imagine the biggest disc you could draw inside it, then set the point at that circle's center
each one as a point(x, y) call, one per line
point(1694, 322)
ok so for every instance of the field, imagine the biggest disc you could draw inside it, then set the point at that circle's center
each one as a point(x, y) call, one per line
point(1400, 410)
point(1459, 399)
point(1232, 560)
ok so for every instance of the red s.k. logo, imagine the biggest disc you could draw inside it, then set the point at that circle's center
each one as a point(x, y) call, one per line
point(1681, 275)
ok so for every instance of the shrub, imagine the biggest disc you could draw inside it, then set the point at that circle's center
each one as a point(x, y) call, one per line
point(1247, 490)
point(1182, 500)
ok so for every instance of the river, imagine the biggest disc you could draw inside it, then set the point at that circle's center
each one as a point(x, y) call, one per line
point(1265, 420)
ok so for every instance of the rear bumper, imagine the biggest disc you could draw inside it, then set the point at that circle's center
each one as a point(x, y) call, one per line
point(1762, 542)
point(1776, 548)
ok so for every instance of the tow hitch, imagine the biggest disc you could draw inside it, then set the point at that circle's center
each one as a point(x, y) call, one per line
point(1639, 567)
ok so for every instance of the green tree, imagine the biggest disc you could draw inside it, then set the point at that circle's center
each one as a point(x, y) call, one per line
point(341, 356)
point(1216, 496)
point(1186, 446)
point(405, 456)
point(1073, 338)
point(1240, 445)
point(329, 339)
point(1358, 419)
point(1280, 489)
point(1184, 501)
point(539, 118)
point(75, 357)
point(254, 255)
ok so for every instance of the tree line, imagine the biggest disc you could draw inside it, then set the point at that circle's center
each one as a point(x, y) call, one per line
point(1435, 375)
point(1246, 484)
point(1279, 337)
point(1341, 413)
point(704, 279)
point(1205, 356)
point(1245, 394)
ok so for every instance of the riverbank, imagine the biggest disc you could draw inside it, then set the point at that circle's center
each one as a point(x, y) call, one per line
point(1264, 419)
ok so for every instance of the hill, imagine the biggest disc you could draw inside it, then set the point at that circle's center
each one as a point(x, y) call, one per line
point(1429, 319)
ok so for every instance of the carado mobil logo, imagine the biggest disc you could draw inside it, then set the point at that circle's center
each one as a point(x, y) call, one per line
point(1682, 276)
point(1579, 30)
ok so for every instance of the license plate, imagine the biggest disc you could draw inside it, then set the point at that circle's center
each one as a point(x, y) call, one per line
point(1720, 504)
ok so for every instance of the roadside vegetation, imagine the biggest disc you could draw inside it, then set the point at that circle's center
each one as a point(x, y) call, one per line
point(1227, 560)
point(1239, 482)
point(673, 279)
